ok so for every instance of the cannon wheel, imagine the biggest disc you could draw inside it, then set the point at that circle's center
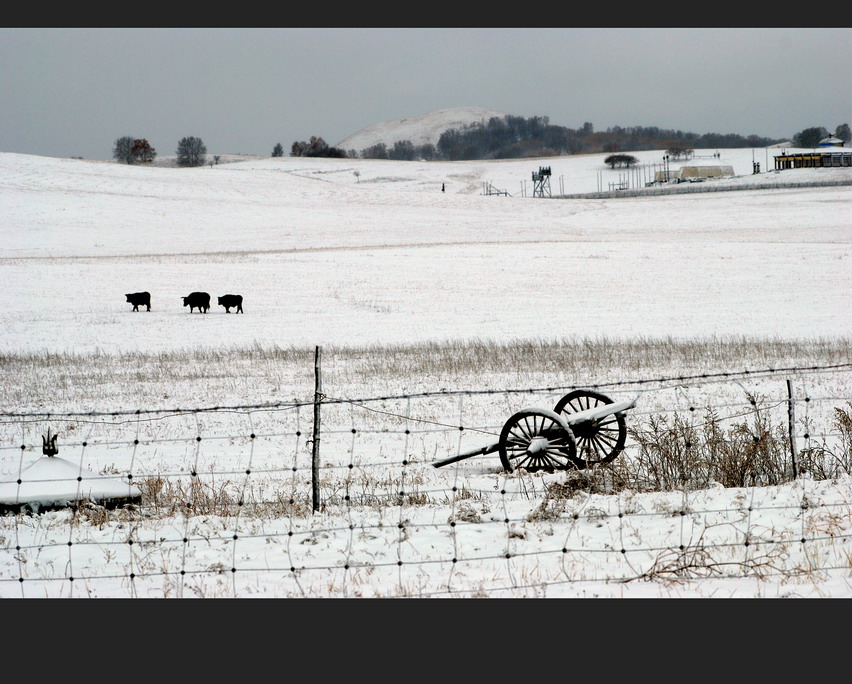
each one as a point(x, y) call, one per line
point(597, 442)
point(537, 439)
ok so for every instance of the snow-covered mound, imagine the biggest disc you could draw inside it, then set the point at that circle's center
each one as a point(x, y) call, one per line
point(420, 130)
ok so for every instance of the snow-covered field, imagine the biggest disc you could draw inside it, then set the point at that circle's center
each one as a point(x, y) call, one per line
point(344, 254)
point(325, 256)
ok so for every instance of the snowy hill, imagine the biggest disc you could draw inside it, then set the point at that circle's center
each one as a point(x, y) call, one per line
point(420, 130)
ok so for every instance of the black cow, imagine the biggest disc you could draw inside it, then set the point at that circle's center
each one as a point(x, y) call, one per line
point(139, 299)
point(197, 299)
point(230, 300)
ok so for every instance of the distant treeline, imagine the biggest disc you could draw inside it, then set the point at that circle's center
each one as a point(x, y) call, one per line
point(513, 137)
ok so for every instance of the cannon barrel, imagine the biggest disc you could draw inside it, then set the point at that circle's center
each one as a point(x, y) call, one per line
point(481, 451)
point(599, 412)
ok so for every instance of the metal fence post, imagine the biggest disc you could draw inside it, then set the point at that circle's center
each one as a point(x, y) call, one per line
point(316, 435)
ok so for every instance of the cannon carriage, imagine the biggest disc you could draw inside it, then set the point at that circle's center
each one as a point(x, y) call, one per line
point(584, 429)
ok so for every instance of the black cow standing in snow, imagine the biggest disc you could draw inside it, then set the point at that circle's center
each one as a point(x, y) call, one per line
point(197, 299)
point(139, 299)
point(230, 300)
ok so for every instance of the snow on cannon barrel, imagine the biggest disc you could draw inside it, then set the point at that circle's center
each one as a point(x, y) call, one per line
point(584, 429)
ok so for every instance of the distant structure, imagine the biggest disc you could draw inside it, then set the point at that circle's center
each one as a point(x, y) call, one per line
point(811, 160)
point(541, 182)
point(830, 141)
point(489, 189)
point(694, 173)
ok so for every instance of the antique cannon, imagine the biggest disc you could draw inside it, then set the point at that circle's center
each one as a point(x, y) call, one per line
point(585, 428)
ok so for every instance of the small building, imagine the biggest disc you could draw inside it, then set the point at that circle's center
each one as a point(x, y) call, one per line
point(830, 141)
point(813, 160)
point(717, 171)
point(694, 173)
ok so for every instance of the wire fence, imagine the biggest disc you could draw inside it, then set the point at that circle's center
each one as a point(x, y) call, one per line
point(708, 186)
point(260, 500)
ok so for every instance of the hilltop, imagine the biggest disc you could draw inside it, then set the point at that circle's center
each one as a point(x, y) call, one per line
point(420, 130)
point(469, 133)
point(423, 129)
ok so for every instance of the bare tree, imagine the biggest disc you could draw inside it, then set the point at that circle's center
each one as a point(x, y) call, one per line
point(142, 150)
point(191, 151)
point(123, 150)
point(614, 160)
point(678, 152)
point(316, 147)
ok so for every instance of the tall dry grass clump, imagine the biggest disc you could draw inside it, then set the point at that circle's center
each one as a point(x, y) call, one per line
point(164, 497)
point(680, 452)
point(827, 458)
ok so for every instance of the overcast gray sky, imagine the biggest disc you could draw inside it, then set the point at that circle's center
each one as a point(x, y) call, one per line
point(73, 92)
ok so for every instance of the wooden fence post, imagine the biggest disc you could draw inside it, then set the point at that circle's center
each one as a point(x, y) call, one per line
point(316, 435)
point(791, 415)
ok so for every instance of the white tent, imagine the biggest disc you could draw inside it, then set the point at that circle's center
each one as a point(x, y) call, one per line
point(695, 172)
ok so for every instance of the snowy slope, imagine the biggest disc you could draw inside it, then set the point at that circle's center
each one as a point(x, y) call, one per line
point(420, 130)
point(342, 251)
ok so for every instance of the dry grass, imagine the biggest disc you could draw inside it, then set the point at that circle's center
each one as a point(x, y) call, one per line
point(827, 458)
point(165, 497)
point(687, 452)
point(700, 560)
point(69, 382)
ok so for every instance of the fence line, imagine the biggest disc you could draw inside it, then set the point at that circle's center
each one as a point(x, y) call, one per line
point(704, 378)
point(227, 506)
point(708, 186)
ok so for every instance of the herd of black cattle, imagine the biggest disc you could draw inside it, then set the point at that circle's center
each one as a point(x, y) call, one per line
point(195, 300)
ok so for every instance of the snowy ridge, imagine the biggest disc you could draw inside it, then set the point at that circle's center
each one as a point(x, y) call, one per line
point(420, 130)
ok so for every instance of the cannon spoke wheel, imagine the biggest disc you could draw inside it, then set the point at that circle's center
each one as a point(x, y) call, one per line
point(597, 442)
point(537, 439)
